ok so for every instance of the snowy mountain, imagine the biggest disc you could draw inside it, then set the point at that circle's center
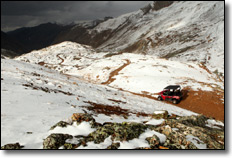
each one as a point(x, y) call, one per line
point(10, 47)
point(181, 30)
point(184, 31)
point(38, 37)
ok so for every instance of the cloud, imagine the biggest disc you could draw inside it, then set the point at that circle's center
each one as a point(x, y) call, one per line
point(16, 14)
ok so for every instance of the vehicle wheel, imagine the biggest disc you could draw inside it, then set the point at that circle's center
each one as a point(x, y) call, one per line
point(174, 101)
point(160, 98)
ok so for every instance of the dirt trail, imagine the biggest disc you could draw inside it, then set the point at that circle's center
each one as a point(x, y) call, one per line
point(61, 63)
point(115, 72)
point(62, 60)
point(208, 103)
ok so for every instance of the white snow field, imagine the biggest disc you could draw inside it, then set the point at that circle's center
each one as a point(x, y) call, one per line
point(142, 72)
point(35, 98)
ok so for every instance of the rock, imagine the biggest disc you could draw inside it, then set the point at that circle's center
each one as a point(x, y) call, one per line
point(143, 148)
point(176, 129)
point(146, 9)
point(174, 139)
point(102, 133)
point(70, 146)
point(11, 146)
point(114, 146)
point(60, 124)
point(195, 120)
point(153, 141)
point(29, 132)
point(166, 130)
point(119, 131)
point(195, 126)
point(160, 114)
point(80, 117)
point(128, 131)
point(157, 5)
point(54, 141)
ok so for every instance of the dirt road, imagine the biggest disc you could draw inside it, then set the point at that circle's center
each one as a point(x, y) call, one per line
point(208, 103)
point(115, 72)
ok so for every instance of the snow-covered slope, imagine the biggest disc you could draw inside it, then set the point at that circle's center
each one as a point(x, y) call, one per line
point(131, 72)
point(33, 96)
point(184, 31)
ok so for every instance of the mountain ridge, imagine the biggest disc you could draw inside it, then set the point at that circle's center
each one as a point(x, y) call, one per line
point(185, 31)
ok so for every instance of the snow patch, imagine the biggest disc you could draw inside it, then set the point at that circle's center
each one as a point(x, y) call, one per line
point(91, 145)
point(196, 141)
point(84, 128)
point(214, 124)
point(155, 122)
point(141, 142)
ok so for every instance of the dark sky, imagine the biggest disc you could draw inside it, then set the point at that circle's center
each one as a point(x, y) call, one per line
point(15, 14)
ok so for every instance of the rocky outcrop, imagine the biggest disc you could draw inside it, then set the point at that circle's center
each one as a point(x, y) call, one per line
point(157, 5)
point(79, 117)
point(54, 141)
point(180, 132)
point(11, 146)
point(118, 131)
point(188, 132)
point(146, 9)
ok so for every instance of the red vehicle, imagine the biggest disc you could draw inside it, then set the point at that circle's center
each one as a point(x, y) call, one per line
point(171, 93)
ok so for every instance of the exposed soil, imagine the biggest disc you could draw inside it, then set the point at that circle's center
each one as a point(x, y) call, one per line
point(106, 109)
point(111, 110)
point(117, 101)
point(208, 103)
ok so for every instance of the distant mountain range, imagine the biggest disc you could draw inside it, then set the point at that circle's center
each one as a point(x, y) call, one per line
point(37, 37)
point(26, 39)
point(10, 46)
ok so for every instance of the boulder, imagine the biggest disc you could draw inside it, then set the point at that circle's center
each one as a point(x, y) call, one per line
point(80, 117)
point(194, 120)
point(176, 129)
point(153, 141)
point(54, 141)
point(114, 146)
point(119, 131)
point(157, 5)
point(11, 146)
point(60, 124)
